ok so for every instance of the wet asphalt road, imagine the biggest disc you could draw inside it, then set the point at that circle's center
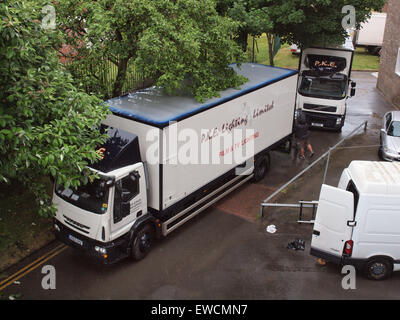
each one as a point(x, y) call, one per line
point(225, 252)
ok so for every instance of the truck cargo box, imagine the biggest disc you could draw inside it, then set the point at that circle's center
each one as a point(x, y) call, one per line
point(261, 110)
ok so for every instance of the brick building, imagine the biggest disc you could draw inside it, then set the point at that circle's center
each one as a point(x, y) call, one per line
point(389, 71)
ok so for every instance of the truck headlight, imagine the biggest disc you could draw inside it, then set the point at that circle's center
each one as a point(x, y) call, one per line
point(100, 249)
point(338, 120)
point(57, 227)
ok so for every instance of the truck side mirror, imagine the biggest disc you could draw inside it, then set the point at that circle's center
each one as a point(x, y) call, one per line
point(306, 62)
point(353, 88)
point(134, 175)
point(126, 195)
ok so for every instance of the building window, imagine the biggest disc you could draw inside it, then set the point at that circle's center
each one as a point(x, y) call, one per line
point(397, 70)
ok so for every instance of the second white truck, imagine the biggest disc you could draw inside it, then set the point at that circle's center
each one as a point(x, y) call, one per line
point(325, 85)
point(170, 157)
point(371, 33)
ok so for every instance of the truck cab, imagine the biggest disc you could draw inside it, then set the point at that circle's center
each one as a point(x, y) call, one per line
point(324, 85)
point(358, 223)
point(102, 216)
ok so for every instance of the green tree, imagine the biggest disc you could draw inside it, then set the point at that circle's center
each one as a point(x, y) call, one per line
point(316, 22)
point(47, 126)
point(252, 16)
point(254, 19)
point(303, 22)
point(182, 44)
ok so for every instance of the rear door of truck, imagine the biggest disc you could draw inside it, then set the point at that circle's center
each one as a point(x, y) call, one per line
point(332, 227)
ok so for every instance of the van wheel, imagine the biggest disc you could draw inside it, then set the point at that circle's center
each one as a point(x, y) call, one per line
point(260, 168)
point(378, 269)
point(142, 243)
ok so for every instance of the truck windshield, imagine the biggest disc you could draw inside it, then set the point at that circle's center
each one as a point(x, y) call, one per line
point(92, 197)
point(323, 87)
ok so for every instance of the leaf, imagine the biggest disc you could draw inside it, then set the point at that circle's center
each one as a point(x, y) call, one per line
point(53, 171)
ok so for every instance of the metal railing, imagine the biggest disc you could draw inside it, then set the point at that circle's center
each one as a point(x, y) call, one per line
point(327, 153)
point(301, 205)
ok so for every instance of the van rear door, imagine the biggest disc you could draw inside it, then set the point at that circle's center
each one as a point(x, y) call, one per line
point(331, 227)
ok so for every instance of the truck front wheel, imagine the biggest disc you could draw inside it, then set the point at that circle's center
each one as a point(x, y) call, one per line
point(142, 243)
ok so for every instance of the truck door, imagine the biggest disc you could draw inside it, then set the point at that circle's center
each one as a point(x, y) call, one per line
point(331, 227)
point(128, 199)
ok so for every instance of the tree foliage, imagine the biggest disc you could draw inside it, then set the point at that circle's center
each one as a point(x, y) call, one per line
point(47, 126)
point(182, 44)
point(252, 15)
point(317, 22)
point(303, 22)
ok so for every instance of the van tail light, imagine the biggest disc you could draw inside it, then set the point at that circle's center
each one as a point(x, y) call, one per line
point(348, 248)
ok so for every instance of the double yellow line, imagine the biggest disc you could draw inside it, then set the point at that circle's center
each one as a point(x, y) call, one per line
point(32, 266)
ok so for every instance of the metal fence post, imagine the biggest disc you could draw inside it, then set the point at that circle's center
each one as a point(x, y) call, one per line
point(327, 164)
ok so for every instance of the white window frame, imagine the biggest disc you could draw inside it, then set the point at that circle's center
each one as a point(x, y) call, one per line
point(397, 68)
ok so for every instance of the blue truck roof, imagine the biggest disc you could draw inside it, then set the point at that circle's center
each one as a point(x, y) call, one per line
point(153, 106)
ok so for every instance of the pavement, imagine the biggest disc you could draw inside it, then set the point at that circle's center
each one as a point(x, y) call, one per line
point(226, 252)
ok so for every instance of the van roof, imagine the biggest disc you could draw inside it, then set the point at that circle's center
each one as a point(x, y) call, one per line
point(376, 177)
point(154, 107)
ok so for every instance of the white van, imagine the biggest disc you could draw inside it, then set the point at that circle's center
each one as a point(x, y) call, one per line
point(358, 223)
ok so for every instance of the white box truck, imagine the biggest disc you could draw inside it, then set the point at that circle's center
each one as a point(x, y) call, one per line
point(170, 157)
point(371, 33)
point(323, 86)
point(358, 223)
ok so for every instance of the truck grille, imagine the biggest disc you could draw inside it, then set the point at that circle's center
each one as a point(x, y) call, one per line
point(319, 118)
point(317, 107)
point(76, 225)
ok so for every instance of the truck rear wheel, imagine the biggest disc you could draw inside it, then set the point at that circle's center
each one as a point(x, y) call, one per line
point(378, 268)
point(261, 167)
point(142, 243)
